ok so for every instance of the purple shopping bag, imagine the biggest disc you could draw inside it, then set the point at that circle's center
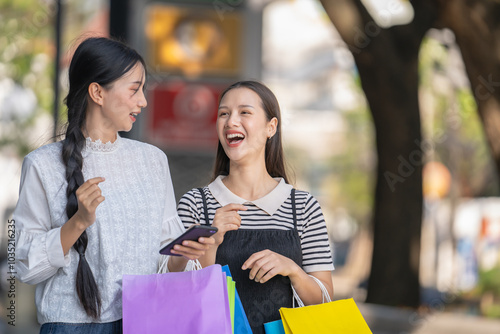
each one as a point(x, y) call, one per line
point(186, 302)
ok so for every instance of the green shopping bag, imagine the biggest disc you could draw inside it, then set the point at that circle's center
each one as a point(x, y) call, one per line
point(239, 319)
point(231, 287)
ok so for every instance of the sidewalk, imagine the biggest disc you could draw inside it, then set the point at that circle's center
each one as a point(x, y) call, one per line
point(390, 320)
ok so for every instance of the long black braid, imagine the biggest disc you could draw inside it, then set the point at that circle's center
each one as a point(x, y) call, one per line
point(103, 61)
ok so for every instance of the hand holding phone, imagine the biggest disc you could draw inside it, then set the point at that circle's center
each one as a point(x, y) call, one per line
point(192, 233)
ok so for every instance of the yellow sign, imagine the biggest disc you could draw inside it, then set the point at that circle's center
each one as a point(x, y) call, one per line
point(193, 41)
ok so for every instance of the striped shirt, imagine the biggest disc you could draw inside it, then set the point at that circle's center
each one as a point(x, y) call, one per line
point(273, 211)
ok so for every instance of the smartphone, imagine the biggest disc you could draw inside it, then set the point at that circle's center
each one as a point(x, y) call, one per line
point(192, 233)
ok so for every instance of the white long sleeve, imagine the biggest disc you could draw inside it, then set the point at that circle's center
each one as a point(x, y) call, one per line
point(39, 252)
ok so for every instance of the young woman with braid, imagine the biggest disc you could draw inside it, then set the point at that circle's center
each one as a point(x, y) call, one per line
point(95, 206)
point(271, 235)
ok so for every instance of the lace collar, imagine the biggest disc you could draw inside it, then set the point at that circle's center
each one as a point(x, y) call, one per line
point(99, 146)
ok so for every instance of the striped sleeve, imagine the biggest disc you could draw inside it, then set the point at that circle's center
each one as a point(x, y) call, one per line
point(316, 252)
point(188, 208)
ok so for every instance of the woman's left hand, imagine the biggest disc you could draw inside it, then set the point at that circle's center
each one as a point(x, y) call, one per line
point(266, 264)
point(193, 250)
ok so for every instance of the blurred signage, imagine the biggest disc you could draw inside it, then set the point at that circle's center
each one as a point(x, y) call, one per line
point(183, 116)
point(193, 41)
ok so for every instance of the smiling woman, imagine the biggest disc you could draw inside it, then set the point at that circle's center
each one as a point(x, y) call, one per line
point(115, 108)
point(263, 103)
point(95, 206)
point(242, 125)
point(271, 235)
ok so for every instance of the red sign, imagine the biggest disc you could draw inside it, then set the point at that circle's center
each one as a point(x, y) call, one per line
point(183, 116)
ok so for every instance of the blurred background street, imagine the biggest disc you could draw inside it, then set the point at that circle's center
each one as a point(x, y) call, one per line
point(391, 119)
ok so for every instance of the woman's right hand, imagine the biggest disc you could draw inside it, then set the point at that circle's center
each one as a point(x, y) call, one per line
point(89, 197)
point(226, 219)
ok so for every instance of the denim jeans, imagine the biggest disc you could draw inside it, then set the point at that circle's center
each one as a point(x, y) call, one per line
point(114, 327)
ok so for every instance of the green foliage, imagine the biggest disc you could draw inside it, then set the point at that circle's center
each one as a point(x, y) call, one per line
point(451, 123)
point(355, 166)
point(344, 176)
point(26, 63)
point(489, 281)
point(489, 284)
point(493, 311)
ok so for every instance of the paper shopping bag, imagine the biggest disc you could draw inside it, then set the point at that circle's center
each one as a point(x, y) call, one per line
point(241, 325)
point(185, 302)
point(231, 287)
point(274, 327)
point(341, 316)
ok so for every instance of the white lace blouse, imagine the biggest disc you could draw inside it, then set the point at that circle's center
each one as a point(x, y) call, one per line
point(137, 215)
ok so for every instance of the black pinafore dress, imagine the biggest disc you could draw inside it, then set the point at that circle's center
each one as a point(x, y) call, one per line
point(261, 301)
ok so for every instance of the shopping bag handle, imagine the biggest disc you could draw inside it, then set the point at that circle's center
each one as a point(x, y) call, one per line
point(324, 291)
point(190, 266)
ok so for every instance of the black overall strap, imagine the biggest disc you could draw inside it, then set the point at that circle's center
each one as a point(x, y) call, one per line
point(293, 210)
point(262, 301)
point(205, 208)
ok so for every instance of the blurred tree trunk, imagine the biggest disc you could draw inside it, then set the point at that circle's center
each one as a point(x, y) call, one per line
point(387, 61)
point(476, 25)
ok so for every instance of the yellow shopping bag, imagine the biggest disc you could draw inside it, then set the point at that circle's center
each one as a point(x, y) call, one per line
point(341, 316)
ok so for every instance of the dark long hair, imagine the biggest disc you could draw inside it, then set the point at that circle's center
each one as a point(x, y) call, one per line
point(103, 61)
point(275, 162)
